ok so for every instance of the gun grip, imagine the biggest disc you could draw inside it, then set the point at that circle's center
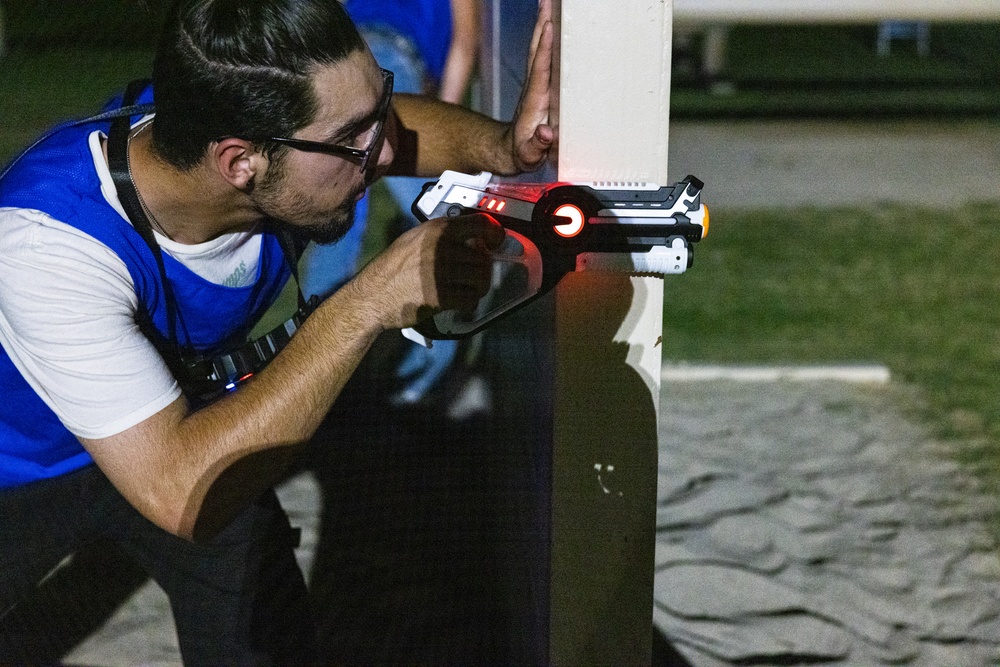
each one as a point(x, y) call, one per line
point(517, 277)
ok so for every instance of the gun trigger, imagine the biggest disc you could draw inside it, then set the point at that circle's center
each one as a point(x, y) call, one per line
point(417, 337)
point(509, 248)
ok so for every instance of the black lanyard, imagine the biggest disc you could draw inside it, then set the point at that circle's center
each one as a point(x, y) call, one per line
point(201, 377)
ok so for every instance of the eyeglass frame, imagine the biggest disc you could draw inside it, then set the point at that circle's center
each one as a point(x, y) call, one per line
point(349, 152)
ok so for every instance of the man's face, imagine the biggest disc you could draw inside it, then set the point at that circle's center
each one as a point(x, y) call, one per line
point(316, 192)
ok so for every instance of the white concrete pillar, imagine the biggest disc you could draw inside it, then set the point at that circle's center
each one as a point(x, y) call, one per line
point(612, 113)
point(613, 106)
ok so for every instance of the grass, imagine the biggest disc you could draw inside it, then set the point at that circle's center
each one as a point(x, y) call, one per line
point(42, 25)
point(834, 70)
point(913, 289)
point(796, 54)
point(794, 102)
point(38, 89)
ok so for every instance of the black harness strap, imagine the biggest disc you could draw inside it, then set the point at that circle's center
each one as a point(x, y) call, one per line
point(118, 138)
point(201, 377)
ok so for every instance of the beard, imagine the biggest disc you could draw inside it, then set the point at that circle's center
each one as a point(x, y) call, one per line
point(298, 214)
point(329, 230)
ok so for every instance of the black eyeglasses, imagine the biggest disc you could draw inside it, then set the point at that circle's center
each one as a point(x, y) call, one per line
point(365, 144)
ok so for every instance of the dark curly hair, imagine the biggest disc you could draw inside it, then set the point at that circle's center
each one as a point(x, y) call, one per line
point(241, 68)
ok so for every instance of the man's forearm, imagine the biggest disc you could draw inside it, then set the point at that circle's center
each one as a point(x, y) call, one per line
point(434, 136)
point(192, 472)
point(260, 428)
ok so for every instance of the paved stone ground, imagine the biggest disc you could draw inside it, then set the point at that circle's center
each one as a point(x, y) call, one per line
point(799, 523)
point(807, 522)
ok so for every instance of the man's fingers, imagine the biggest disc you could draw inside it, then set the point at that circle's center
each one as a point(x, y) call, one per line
point(540, 72)
point(461, 298)
point(544, 18)
point(536, 149)
point(544, 136)
point(531, 145)
point(463, 292)
point(464, 260)
point(493, 232)
point(475, 230)
point(467, 267)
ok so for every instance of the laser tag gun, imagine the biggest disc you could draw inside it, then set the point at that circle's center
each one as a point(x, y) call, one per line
point(555, 228)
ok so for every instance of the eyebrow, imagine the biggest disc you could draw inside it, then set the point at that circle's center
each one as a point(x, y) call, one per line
point(358, 122)
point(353, 126)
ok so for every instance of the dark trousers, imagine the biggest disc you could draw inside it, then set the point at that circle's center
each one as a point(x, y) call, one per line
point(239, 599)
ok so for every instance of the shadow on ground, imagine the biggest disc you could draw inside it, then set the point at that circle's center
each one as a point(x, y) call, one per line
point(430, 548)
point(69, 606)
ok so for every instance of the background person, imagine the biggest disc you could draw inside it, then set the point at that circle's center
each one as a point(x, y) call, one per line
point(431, 46)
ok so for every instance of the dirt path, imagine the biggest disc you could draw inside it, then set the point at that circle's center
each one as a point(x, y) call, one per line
point(829, 163)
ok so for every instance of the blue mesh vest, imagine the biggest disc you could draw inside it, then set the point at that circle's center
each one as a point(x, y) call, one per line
point(58, 178)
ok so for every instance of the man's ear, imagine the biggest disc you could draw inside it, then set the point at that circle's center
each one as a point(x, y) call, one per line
point(238, 161)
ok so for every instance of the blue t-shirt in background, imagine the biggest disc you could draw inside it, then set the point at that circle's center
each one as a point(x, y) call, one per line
point(426, 23)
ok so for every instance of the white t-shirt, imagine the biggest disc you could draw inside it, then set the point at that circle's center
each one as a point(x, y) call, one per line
point(67, 314)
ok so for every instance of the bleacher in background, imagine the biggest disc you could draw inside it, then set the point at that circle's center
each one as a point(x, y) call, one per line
point(896, 19)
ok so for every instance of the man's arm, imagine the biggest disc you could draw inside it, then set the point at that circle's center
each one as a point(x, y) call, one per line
point(191, 472)
point(431, 136)
point(462, 51)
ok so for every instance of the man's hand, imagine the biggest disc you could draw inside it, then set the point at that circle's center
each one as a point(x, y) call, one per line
point(429, 136)
point(442, 264)
point(530, 134)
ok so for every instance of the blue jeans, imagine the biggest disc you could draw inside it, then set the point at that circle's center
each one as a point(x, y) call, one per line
point(396, 53)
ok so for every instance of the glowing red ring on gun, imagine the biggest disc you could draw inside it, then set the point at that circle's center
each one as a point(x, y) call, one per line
point(574, 226)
